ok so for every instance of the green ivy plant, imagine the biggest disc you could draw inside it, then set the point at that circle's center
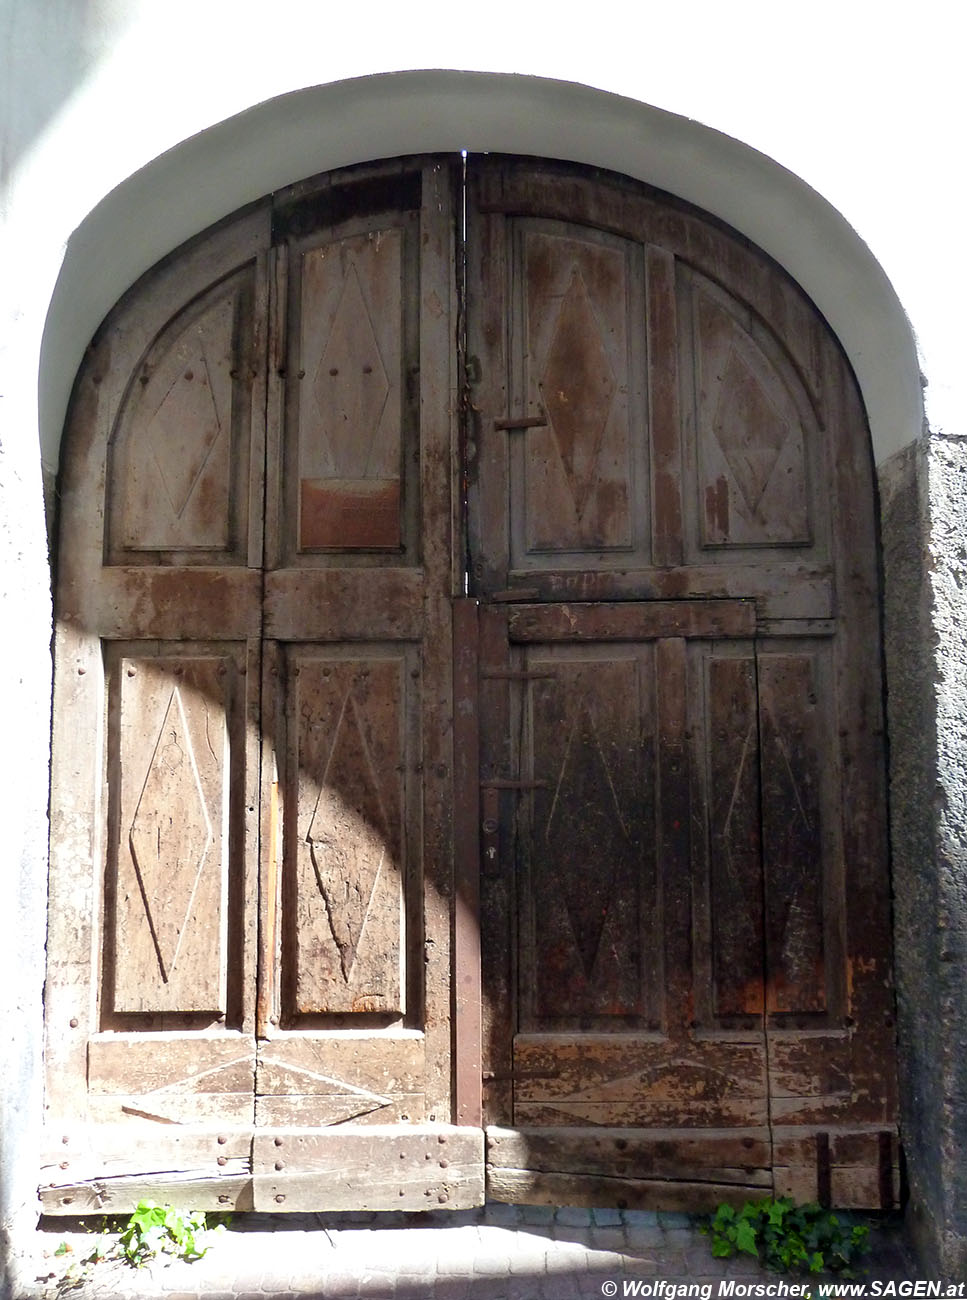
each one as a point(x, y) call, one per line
point(160, 1229)
point(787, 1237)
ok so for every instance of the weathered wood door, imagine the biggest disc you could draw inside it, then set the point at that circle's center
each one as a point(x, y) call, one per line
point(249, 986)
point(685, 897)
point(270, 819)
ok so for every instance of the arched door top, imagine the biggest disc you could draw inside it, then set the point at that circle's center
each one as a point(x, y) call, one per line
point(269, 145)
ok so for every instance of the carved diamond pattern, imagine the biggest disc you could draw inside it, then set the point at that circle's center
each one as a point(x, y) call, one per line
point(749, 430)
point(170, 835)
point(578, 387)
point(348, 835)
point(350, 385)
point(586, 835)
point(187, 422)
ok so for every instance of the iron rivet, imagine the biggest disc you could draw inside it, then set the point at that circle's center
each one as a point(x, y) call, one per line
point(279, 1164)
point(222, 1160)
point(279, 1199)
point(222, 1139)
point(444, 1163)
point(278, 1142)
point(223, 1200)
point(81, 672)
point(65, 1139)
point(441, 1139)
point(63, 1164)
point(443, 1198)
point(132, 672)
point(73, 1022)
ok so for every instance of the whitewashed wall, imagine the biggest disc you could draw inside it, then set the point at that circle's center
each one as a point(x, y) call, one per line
point(831, 134)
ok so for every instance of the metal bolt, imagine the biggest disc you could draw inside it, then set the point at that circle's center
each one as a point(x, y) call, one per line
point(280, 1164)
point(223, 1200)
point(443, 1198)
point(81, 672)
point(444, 1163)
point(63, 1164)
point(279, 1199)
point(278, 1142)
point(223, 1160)
point(222, 1139)
point(73, 1022)
point(441, 1139)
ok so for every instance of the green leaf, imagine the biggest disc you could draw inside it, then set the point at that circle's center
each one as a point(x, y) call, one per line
point(745, 1238)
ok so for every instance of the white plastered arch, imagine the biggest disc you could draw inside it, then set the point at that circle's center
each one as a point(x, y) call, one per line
point(273, 143)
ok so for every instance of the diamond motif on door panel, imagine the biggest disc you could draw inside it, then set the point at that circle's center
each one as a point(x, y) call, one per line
point(584, 828)
point(578, 387)
point(170, 835)
point(347, 835)
point(187, 422)
point(749, 430)
point(350, 386)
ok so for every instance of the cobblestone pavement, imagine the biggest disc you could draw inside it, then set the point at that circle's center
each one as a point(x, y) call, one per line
point(500, 1252)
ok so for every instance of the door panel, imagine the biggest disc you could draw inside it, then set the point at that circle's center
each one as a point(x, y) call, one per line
point(606, 835)
point(266, 869)
point(355, 954)
point(169, 890)
point(681, 745)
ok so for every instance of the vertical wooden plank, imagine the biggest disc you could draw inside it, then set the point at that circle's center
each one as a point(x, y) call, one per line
point(735, 868)
point(793, 841)
point(498, 885)
point(275, 387)
point(437, 412)
point(467, 1029)
point(272, 795)
point(673, 833)
point(664, 419)
point(487, 325)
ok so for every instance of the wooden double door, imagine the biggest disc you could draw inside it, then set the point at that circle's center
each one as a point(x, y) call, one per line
point(467, 717)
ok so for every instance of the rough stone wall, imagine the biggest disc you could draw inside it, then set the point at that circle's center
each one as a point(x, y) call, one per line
point(945, 1002)
point(923, 493)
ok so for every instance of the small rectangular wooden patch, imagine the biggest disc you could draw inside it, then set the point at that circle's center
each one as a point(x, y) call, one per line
point(349, 514)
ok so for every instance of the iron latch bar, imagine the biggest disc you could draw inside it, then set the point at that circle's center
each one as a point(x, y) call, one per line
point(514, 422)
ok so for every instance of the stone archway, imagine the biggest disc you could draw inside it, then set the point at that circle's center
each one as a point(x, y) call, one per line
point(390, 114)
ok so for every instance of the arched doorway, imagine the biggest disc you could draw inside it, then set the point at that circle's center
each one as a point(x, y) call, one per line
point(669, 653)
